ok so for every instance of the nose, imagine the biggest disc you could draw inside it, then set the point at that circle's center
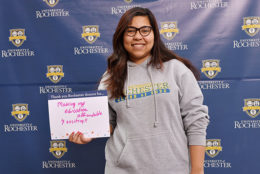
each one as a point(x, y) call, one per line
point(138, 35)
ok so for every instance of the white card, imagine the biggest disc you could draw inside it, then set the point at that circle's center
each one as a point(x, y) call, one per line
point(86, 112)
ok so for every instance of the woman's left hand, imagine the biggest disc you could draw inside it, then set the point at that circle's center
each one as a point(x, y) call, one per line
point(79, 138)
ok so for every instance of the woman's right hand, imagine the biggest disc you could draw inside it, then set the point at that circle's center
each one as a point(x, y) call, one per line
point(79, 138)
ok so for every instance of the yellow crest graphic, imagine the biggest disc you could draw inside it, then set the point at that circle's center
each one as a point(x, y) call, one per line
point(169, 30)
point(58, 148)
point(213, 147)
point(90, 33)
point(210, 68)
point(51, 3)
point(251, 25)
point(20, 111)
point(128, 1)
point(252, 107)
point(17, 36)
point(55, 73)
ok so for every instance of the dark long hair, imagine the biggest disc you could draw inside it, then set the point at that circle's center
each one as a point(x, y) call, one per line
point(117, 62)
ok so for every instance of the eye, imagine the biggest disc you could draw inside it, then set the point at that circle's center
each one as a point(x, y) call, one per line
point(145, 31)
point(130, 30)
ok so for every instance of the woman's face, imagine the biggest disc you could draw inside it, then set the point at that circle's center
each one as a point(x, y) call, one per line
point(139, 47)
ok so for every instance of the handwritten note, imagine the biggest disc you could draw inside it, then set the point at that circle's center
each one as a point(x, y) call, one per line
point(86, 112)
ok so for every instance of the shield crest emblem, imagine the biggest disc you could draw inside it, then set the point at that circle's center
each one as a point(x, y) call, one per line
point(251, 25)
point(128, 1)
point(210, 68)
point(90, 33)
point(51, 3)
point(58, 148)
point(55, 73)
point(252, 107)
point(169, 30)
point(20, 111)
point(17, 36)
point(213, 147)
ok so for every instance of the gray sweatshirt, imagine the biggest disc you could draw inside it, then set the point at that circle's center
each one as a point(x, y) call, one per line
point(161, 116)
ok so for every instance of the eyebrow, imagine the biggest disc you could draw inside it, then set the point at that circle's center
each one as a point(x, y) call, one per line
point(138, 27)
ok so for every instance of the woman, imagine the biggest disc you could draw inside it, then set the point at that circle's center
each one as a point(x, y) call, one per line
point(157, 118)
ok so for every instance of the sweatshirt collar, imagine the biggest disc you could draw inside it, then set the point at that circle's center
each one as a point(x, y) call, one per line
point(143, 64)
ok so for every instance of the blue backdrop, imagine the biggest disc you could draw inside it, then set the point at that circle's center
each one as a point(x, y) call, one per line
point(57, 46)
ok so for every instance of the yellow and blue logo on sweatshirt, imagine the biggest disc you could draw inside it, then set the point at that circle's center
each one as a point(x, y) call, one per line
point(144, 90)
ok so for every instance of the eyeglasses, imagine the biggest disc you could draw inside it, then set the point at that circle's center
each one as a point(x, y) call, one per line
point(144, 31)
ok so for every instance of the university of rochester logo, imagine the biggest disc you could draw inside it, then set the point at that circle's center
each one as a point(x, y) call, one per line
point(58, 148)
point(17, 36)
point(252, 107)
point(128, 1)
point(55, 73)
point(90, 33)
point(213, 147)
point(20, 111)
point(251, 25)
point(169, 30)
point(210, 68)
point(51, 3)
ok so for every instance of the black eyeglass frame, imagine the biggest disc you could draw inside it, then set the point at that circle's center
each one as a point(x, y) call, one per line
point(138, 29)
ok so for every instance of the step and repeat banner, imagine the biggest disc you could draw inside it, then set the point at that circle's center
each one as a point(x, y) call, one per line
point(58, 46)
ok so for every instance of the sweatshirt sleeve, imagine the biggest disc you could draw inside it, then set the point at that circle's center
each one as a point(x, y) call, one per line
point(112, 117)
point(194, 113)
point(112, 113)
point(102, 85)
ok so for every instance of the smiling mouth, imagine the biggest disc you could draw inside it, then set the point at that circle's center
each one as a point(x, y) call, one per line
point(138, 45)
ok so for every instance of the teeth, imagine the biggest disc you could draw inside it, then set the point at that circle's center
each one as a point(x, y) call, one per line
point(138, 46)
